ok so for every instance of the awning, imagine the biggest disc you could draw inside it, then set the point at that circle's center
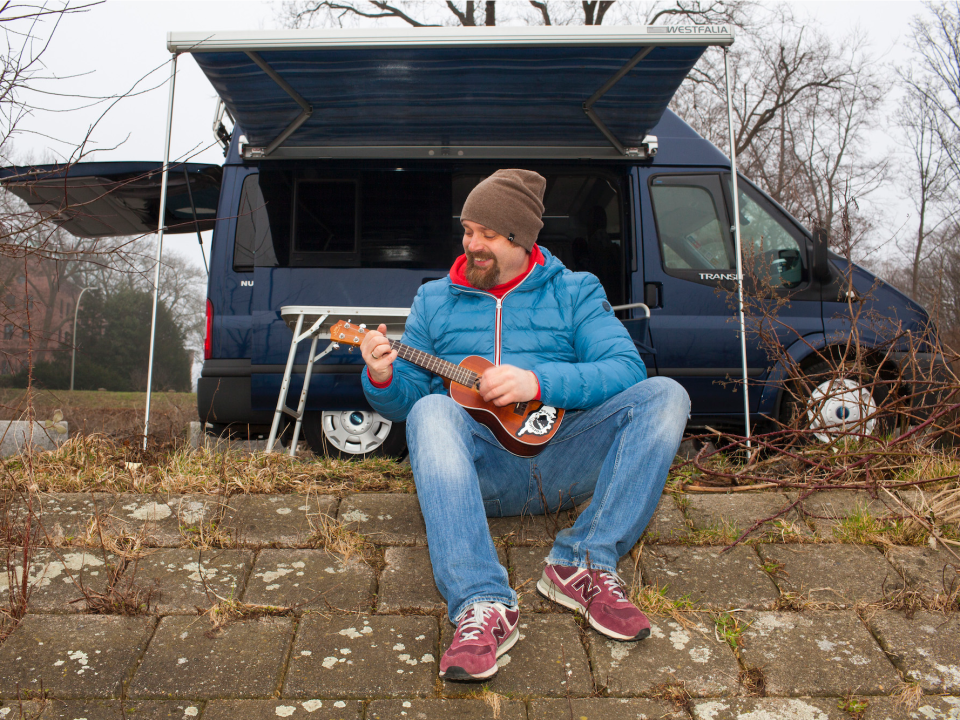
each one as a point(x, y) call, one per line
point(457, 92)
point(106, 199)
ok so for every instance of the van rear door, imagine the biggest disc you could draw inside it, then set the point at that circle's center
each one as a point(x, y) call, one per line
point(113, 199)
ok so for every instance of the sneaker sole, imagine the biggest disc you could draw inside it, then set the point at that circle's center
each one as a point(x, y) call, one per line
point(548, 589)
point(455, 673)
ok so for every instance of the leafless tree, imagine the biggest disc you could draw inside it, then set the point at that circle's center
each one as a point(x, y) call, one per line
point(935, 76)
point(803, 104)
point(424, 13)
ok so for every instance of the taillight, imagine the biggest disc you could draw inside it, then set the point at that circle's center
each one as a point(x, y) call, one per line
point(208, 339)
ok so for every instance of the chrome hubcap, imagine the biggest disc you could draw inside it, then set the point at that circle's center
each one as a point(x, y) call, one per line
point(841, 405)
point(355, 431)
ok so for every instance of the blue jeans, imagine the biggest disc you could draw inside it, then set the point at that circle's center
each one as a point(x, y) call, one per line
point(618, 452)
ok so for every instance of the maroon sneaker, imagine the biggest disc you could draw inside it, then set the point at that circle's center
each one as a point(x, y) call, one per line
point(485, 631)
point(599, 596)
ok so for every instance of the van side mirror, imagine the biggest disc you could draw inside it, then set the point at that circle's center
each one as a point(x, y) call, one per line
point(821, 262)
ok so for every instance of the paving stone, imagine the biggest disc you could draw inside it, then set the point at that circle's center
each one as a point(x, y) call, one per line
point(526, 566)
point(925, 647)
point(314, 709)
point(285, 521)
point(72, 656)
point(54, 576)
point(385, 518)
point(931, 707)
point(604, 709)
point(186, 579)
point(407, 584)
point(692, 655)
point(310, 580)
point(434, 709)
point(547, 660)
point(807, 708)
point(185, 659)
point(163, 521)
point(816, 653)
point(119, 710)
point(16, 710)
point(60, 515)
point(668, 524)
point(827, 510)
point(739, 511)
point(709, 578)
point(837, 574)
point(927, 571)
point(358, 656)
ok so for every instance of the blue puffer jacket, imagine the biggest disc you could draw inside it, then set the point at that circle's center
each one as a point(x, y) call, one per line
point(556, 322)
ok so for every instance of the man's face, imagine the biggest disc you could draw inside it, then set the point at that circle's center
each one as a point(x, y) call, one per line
point(491, 258)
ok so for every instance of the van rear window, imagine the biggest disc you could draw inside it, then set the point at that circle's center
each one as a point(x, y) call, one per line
point(411, 219)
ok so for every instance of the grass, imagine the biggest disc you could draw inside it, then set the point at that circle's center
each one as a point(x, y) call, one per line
point(94, 463)
point(653, 600)
point(730, 629)
point(49, 400)
point(863, 528)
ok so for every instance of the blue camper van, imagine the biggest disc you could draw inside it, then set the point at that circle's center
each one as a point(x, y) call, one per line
point(350, 159)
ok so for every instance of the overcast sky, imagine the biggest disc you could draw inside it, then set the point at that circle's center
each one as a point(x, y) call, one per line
point(109, 49)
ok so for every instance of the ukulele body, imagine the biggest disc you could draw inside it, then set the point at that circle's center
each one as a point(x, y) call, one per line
point(523, 429)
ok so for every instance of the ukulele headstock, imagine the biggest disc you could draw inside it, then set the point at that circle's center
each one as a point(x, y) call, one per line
point(346, 332)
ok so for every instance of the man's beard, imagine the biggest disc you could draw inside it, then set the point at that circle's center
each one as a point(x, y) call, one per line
point(484, 279)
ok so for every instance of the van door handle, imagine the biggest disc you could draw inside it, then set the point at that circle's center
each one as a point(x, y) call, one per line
point(653, 294)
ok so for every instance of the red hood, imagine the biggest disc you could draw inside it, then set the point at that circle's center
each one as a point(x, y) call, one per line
point(458, 276)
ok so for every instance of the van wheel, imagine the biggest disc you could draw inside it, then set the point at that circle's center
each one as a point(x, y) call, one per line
point(828, 404)
point(353, 433)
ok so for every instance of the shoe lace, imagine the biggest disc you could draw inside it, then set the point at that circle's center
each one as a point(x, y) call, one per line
point(615, 585)
point(471, 625)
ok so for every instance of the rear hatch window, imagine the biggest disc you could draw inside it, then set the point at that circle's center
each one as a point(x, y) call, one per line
point(306, 217)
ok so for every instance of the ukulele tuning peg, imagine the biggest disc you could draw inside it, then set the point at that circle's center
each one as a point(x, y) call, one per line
point(335, 345)
point(363, 326)
point(350, 349)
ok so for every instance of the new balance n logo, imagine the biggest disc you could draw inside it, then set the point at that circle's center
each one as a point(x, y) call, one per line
point(585, 586)
point(499, 632)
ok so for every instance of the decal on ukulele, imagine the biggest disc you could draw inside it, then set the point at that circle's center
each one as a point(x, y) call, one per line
point(540, 422)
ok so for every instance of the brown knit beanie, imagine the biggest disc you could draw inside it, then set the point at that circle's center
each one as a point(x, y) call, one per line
point(509, 202)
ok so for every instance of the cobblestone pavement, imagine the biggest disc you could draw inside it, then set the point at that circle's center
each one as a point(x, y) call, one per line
point(323, 607)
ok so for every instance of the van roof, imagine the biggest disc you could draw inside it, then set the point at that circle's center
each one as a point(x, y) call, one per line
point(499, 92)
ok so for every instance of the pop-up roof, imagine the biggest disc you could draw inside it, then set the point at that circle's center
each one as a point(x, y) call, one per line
point(471, 92)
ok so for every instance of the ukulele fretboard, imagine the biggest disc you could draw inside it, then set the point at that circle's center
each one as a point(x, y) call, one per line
point(435, 365)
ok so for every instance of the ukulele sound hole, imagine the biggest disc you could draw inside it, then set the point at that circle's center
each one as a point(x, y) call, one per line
point(520, 408)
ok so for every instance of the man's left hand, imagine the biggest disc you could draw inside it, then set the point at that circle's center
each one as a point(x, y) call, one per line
point(506, 384)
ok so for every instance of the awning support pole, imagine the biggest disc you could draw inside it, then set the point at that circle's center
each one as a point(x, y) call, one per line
point(618, 76)
point(288, 89)
point(160, 227)
point(739, 247)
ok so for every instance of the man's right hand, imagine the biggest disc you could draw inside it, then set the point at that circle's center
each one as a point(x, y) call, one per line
point(377, 354)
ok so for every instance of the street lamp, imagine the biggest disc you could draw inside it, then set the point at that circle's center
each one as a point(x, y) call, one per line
point(76, 309)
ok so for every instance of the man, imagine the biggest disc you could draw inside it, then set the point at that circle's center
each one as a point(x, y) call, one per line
point(552, 336)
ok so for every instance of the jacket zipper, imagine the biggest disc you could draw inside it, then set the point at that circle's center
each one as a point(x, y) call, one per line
point(497, 337)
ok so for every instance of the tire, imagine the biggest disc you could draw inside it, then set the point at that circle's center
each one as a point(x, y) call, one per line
point(827, 403)
point(350, 434)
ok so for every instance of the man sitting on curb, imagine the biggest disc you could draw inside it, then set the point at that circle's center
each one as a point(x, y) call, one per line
point(553, 337)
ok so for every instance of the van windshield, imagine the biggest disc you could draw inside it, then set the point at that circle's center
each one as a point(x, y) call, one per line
point(305, 217)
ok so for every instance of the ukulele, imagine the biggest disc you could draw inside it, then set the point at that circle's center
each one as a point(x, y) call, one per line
point(522, 428)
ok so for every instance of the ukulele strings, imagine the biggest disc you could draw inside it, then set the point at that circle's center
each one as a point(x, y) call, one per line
point(456, 373)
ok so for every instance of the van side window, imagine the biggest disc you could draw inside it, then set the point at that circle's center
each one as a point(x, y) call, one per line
point(770, 251)
point(253, 229)
point(688, 213)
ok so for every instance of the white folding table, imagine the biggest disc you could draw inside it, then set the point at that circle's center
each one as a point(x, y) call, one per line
point(319, 320)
